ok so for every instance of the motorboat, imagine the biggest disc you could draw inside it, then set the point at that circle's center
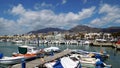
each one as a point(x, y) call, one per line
point(10, 60)
point(17, 41)
point(54, 49)
point(84, 59)
point(101, 55)
point(28, 52)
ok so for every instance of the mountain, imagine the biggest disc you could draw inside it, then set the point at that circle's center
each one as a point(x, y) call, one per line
point(79, 28)
point(111, 29)
point(46, 30)
point(83, 28)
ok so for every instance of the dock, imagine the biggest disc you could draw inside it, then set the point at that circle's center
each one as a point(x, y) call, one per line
point(40, 61)
point(104, 44)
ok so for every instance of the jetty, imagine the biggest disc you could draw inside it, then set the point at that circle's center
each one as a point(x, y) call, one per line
point(104, 44)
point(40, 61)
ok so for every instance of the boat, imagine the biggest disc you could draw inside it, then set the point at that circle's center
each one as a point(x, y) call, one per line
point(86, 60)
point(28, 52)
point(117, 44)
point(101, 55)
point(54, 49)
point(17, 41)
point(86, 42)
point(89, 61)
point(101, 40)
point(10, 60)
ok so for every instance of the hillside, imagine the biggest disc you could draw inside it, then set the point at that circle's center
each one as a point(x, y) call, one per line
point(83, 28)
point(46, 30)
point(78, 28)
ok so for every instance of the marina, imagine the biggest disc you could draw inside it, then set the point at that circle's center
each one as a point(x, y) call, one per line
point(60, 34)
point(114, 54)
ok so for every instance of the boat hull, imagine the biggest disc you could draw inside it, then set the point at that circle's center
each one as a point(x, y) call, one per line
point(11, 60)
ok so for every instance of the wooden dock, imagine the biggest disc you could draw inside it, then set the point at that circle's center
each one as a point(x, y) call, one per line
point(40, 61)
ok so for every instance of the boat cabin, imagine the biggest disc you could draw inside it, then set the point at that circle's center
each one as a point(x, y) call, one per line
point(26, 49)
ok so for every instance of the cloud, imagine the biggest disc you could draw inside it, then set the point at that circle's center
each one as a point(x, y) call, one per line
point(64, 1)
point(109, 15)
point(84, 1)
point(117, 21)
point(18, 9)
point(8, 27)
point(43, 5)
point(49, 18)
point(29, 20)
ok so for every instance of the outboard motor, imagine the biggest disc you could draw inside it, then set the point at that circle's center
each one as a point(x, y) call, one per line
point(1, 55)
point(99, 64)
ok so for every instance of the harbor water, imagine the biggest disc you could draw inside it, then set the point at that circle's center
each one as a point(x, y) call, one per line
point(7, 48)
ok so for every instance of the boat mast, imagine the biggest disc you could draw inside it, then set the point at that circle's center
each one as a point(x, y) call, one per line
point(37, 39)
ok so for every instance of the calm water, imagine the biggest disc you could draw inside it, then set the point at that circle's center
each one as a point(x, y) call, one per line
point(8, 48)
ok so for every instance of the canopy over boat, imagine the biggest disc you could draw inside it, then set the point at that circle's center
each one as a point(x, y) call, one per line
point(25, 49)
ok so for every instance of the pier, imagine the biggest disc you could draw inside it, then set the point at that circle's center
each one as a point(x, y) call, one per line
point(40, 61)
point(104, 44)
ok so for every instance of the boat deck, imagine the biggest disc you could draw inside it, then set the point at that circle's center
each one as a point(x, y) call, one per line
point(40, 61)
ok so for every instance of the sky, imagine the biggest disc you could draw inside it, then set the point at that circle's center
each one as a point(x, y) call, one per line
point(22, 16)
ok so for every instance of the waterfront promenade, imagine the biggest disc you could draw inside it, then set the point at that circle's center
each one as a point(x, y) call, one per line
point(40, 61)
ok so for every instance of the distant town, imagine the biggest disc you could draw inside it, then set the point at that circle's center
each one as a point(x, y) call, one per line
point(77, 33)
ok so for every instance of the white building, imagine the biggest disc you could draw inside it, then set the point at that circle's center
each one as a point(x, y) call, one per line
point(92, 35)
point(97, 35)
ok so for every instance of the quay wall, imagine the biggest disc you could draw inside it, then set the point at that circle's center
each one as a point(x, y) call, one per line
point(104, 44)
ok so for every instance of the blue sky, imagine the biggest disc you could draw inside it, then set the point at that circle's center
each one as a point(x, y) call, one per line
point(21, 16)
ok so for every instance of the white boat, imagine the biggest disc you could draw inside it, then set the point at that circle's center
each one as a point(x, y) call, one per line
point(85, 60)
point(86, 42)
point(17, 41)
point(101, 40)
point(54, 49)
point(28, 52)
point(102, 54)
point(10, 60)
